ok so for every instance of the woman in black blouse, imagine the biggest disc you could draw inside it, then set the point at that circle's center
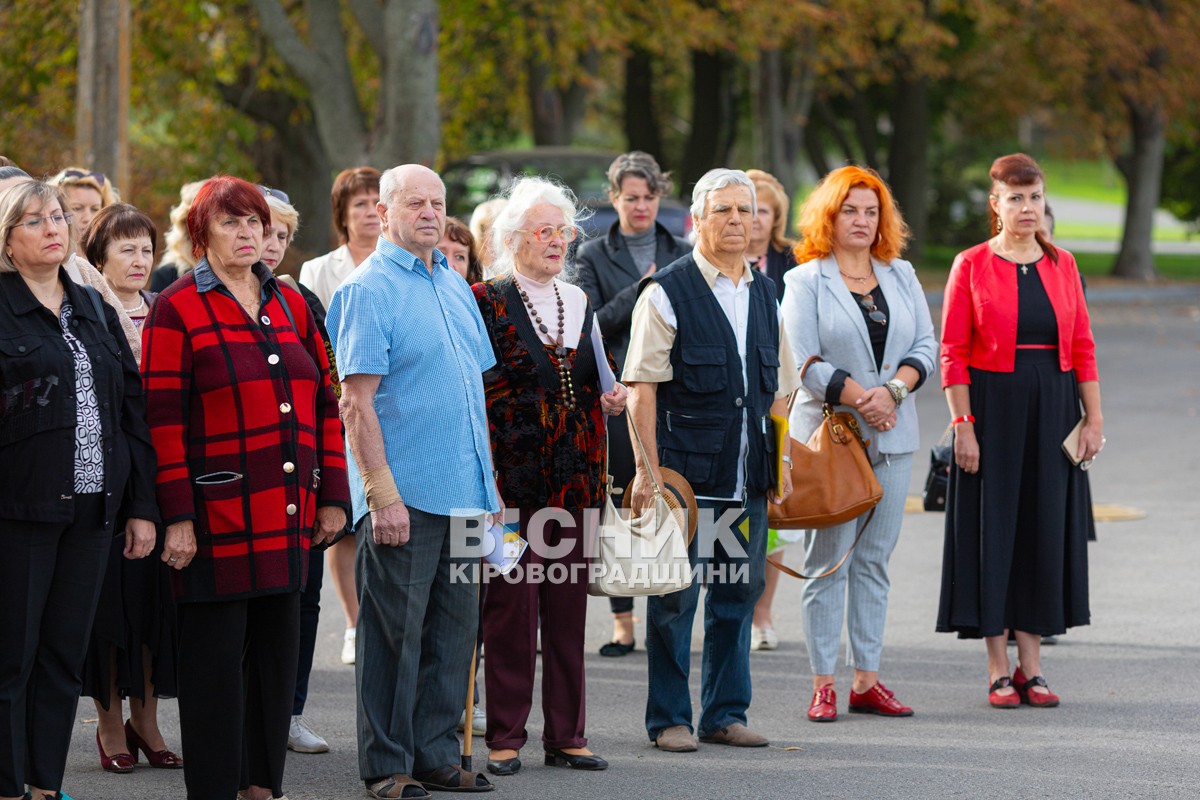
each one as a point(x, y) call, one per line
point(75, 455)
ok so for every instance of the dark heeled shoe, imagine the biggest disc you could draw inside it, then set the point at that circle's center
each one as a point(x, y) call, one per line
point(120, 763)
point(161, 759)
point(557, 758)
point(504, 766)
point(617, 649)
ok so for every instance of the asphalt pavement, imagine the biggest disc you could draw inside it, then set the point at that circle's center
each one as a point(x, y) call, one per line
point(1128, 726)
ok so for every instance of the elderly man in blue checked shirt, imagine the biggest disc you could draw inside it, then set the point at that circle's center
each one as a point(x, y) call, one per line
point(412, 348)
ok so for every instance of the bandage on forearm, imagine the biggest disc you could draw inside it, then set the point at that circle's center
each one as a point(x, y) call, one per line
point(380, 488)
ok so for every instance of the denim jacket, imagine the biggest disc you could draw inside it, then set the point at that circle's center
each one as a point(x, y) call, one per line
point(37, 409)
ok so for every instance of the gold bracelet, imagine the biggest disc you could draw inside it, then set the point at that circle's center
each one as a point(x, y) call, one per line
point(380, 488)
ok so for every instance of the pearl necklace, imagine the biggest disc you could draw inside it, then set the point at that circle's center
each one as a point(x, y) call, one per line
point(566, 387)
point(141, 304)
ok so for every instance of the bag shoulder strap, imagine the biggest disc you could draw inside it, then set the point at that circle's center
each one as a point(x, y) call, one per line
point(779, 565)
point(792, 397)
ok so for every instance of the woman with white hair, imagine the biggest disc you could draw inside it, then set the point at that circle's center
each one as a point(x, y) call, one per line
point(546, 411)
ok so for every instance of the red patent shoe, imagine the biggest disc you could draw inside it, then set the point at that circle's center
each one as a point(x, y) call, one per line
point(824, 704)
point(878, 700)
point(1024, 686)
point(162, 759)
point(997, 700)
point(119, 763)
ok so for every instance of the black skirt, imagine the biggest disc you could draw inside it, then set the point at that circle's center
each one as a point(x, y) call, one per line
point(136, 611)
point(1016, 531)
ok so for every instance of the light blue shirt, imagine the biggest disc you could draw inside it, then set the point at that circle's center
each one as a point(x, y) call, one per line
point(423, 334)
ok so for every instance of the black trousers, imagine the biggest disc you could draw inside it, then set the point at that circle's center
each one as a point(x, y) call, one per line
point(310, 616)
point(237, 680)
point(50, 578)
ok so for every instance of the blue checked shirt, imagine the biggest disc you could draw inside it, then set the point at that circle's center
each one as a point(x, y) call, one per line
point(424, 336)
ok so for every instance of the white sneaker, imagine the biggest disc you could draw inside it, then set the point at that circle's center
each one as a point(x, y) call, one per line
point(763, 638)
point(302, 739)
point(478, 721)
point(348, 646)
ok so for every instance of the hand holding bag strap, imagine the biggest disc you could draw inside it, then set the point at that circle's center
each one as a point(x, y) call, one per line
point(645, 458)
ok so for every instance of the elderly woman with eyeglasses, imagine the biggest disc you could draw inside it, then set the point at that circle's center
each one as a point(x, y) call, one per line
point(75, 456)
point(547, 413)
point(857, 306)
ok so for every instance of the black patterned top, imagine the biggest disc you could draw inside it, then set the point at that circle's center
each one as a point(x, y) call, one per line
point(89, 437)
point(545, 454)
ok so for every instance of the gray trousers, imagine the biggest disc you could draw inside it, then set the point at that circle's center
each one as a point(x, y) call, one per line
point(416, 632)
point(858, 591)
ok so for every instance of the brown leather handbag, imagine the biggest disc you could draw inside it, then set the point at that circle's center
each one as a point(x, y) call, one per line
point(832, 478)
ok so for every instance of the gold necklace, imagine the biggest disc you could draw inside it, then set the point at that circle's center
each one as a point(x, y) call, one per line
point(868, 277)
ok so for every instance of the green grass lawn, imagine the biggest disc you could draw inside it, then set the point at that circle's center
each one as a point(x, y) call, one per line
point(1086, 180)
point(1068, 229)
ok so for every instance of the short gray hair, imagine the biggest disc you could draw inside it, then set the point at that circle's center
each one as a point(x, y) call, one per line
point(636, 164)
point(287, 214)
point(716, 179)
point(525, 193)
point(14, 204)
point(391, 181)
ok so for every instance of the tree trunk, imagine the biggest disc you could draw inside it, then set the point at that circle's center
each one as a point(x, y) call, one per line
point(102, 92)
point(293, 160)
point(711, 117)
point(545, 107)
point(771, 116)
point(1142, 169)
point(412, 123)
point(908, 157)
point(642, 131)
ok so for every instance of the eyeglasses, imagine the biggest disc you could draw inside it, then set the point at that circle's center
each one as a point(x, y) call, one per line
point(276, 193)
point(873, 313)
point(35, 224)
point(98, 177)
point(547, 232)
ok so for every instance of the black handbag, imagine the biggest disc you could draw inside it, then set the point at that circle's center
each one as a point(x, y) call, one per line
point(937, 482)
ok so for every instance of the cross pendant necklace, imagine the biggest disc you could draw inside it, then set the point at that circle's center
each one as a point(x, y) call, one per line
point(1024, 269)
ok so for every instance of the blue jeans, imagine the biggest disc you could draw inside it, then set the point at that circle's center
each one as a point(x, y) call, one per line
point(728, 609)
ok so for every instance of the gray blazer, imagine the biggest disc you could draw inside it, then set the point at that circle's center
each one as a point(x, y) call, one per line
point(822, 318)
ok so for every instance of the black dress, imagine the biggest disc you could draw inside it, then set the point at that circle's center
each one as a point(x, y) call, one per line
point(1016, 531)
point(136, 610)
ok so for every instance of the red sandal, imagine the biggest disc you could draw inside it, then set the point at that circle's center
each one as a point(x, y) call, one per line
point(1024, 686)
point(997, 700)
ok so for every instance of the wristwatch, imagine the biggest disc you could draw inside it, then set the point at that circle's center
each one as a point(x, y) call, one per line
point(898, 389)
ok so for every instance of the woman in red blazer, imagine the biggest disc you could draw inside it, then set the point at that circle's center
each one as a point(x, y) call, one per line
point(1018, 358)
point(250, 470)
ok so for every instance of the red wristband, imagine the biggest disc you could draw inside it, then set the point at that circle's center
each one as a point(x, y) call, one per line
point(965, 418)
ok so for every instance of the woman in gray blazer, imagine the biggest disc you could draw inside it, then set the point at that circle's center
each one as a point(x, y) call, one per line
point(858, 307)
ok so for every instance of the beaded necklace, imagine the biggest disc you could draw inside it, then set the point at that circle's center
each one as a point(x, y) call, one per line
point(566, 387)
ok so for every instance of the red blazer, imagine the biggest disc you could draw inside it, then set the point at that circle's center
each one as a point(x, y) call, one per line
point(979, 316)
point(249, 442)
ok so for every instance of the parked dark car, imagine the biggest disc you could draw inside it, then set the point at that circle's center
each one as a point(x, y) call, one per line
point(478, 177)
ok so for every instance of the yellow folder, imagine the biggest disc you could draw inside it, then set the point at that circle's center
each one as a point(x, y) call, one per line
point(782, 448)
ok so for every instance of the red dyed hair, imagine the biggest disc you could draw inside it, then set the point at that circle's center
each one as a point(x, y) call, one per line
point(824, 204)
point(224, 194)
point(1018, 169)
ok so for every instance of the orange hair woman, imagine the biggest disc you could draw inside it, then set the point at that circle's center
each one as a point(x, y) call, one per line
point(858, 307)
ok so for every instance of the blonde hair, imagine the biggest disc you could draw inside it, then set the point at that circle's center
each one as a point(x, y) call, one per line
point(287, 214)
point(78, 177)
point(767, 187)
point(14, 204)
point(178, 240)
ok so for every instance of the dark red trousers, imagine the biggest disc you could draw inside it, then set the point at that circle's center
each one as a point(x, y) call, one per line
point(511, 614)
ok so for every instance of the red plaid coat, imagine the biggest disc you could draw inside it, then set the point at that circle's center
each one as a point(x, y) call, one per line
point(249, 442)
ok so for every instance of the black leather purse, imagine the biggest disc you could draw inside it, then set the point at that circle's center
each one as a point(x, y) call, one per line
point(937, 482)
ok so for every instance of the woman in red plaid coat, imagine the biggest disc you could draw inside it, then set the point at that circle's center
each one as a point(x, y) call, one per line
point(251, 470)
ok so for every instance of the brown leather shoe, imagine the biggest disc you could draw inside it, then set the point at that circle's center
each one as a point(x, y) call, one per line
point(736, 735)
point(676, 739)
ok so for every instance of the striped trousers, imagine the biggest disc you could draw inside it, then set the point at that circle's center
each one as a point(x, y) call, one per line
point(858, 592)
